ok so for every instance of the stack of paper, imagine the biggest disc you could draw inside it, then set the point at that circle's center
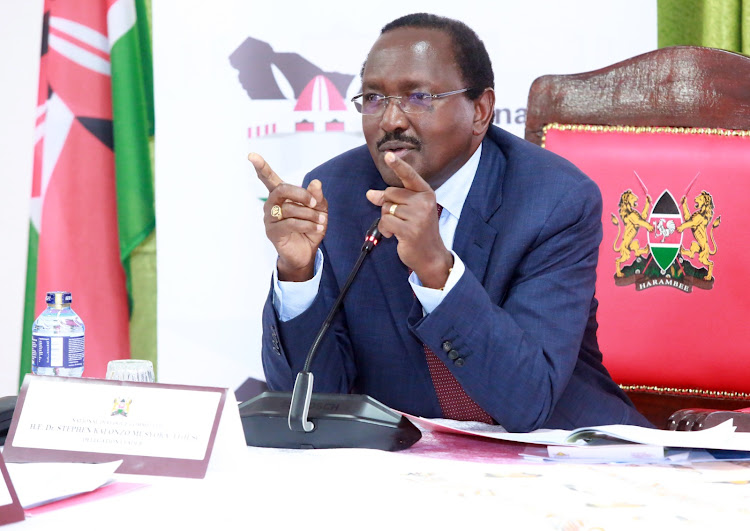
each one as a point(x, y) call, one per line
point(614, 443)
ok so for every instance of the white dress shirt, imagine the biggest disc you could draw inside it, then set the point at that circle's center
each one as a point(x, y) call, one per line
point(290, 299)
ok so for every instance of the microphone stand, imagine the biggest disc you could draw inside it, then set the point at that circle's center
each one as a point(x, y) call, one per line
point(302, 394)
point(304, 419)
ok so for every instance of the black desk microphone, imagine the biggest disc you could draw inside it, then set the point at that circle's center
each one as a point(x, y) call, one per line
point(303, 419)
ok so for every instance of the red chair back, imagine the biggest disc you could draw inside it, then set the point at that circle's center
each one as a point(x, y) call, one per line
point(672, 277)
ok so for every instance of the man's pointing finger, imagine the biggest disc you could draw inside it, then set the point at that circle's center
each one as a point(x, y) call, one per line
point(267, 176)
point(409, 177)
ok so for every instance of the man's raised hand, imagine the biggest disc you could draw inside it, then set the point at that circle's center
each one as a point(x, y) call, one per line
point(410, 214)
point(295, 220)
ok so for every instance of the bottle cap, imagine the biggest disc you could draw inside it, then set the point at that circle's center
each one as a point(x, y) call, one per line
point(59, 298)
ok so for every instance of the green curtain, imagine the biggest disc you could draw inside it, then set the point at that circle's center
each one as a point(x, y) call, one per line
point(721, 24)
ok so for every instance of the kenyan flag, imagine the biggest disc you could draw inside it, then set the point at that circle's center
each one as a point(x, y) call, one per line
point(92, 199)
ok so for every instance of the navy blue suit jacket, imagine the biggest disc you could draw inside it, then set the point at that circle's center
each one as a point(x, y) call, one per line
point(522, 318)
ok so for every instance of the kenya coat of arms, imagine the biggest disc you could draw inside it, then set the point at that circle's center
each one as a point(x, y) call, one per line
point(665, 259)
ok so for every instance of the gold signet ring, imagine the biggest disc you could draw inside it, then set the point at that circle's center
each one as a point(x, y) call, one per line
point(276, 212)
point(392, 210)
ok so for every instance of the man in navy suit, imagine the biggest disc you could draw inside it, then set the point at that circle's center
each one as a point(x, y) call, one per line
point(486, 312)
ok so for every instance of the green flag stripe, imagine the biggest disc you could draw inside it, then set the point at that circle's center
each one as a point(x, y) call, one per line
point(30, 304)
point(135, 191)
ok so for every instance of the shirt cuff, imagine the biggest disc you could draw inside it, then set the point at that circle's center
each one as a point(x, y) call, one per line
point(430, 298)
point(290, 299)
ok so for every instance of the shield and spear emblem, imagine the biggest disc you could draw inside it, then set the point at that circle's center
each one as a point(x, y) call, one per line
point(664, 260)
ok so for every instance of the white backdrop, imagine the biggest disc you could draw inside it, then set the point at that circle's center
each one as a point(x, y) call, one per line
point(214, 261)
point(20, 40)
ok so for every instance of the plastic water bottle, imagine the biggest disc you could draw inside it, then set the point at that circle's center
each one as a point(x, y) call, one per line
point(57, 342)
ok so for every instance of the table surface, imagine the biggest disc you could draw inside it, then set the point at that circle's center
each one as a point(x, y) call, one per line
point(444, 480)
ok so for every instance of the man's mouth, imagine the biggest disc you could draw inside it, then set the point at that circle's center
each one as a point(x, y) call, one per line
point(398, 148)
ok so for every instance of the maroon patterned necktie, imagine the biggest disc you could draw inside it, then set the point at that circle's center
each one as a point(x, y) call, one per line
point(454, 401)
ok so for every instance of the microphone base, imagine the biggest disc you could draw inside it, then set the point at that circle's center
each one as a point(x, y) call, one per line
point(341, 421)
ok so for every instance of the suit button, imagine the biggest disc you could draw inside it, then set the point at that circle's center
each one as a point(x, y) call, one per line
point(453, 354)
point(447, 346)
point(459, 362)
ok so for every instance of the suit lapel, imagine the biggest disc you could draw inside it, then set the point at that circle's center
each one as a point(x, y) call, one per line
point(475, 236)
point(474, 240)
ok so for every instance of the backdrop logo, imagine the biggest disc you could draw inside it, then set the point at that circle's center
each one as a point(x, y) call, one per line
point(665, 259)
point(296, 95)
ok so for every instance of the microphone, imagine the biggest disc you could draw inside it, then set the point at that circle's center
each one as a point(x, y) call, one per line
point(303, 419)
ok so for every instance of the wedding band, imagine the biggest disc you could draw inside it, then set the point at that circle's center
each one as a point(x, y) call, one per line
point(276, 212)
point(392, 210)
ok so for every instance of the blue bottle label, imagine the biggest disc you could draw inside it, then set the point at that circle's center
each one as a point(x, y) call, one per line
point(65, 297)
point(57, 351)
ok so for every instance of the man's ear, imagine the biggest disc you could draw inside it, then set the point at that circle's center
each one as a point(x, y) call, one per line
point(484, 111)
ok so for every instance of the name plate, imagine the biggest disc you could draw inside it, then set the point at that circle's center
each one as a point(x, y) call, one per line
point(156, 429)
point(10, 507)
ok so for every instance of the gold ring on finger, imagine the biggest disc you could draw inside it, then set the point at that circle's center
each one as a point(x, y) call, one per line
point(276, 212)
point(392, 210)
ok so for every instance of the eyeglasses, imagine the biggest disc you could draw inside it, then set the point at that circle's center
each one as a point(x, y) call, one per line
point(413, 103)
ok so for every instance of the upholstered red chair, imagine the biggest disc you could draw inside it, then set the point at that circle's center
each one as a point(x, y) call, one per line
point(666, 135)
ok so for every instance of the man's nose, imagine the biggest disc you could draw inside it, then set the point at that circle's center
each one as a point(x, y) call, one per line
point(393, 117)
